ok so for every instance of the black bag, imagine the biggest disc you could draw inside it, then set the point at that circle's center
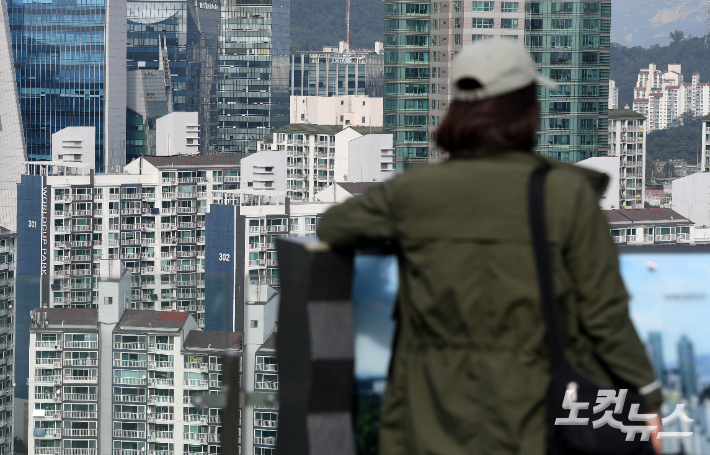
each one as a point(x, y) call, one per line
point(574, 439)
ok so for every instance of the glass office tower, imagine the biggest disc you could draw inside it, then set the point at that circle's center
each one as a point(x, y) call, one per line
point(173, 43)
point(406, 80)
point(569, 42)
point(253, 72)
point(70, 69)
point(335, 74)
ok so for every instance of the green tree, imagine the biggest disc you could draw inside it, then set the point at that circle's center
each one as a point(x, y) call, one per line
point(668, 171)
point(677, 36)
point(650, 171)
point(20, 446)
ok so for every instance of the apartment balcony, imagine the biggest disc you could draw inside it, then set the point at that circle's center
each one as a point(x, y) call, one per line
point(79, 433)
point(80, 397)
point(129, 346)
point(164, 347)
point(164, 417)
point(81, 345)
point(196, 366)
point(186, 254)
point(267, 367)
point(269, 385)
point(265, 441)
point(186, 209)
point(187, 239)
point(154, 399)
point(79, 452)
point(133, 434)
point(196, 383)
point(148, 196)
point(161, 382)
point(47, 433)
point(56, 345)
point(163, 435)
point(48, 451)
point(266, 423)
point(47, 397)
point(129, 415)
point(81, 414)
point(129, 363)
point(81, 379)
point(81, 362)
point(49, 379)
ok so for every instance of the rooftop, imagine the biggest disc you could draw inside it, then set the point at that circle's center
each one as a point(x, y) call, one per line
point(645, 216)
point(618, 114)
point(308, 128)
point(53, 318)
point(356, 188)
point(269, 345)
point(148, 319)
point(217, 340)
point(194, 160)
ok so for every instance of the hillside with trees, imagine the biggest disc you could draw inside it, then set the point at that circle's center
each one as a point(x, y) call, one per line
point(682, 141)
point(626, 62)
point(318, 23)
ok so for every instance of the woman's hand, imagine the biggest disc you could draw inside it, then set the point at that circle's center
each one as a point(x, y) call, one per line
point(654, 436)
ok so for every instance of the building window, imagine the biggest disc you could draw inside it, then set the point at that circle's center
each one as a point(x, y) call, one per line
point(480, 37)
point(482, 23)
point(457, 22)
point(509, 23)
point(363, 120)
point(457, 7)
point(483, 6)
point(457, 40)
point(254, 323)
point(510, 37)
point(509, 7)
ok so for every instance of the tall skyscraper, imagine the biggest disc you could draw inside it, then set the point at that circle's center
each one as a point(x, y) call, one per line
point(406, 79)
point(70, 66)
point(485, 20)
point(254, 53)
point(655, 353)
point(570, 43)
point(686, 367)
point(172, 67)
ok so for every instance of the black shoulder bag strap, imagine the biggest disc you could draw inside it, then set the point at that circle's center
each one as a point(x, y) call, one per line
point(536, 208)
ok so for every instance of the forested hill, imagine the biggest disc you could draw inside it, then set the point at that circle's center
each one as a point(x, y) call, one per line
point(318, 23)
point(677, 142)
point(626, 62)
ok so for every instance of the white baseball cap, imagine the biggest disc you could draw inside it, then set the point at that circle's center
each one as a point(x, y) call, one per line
point(500, 65)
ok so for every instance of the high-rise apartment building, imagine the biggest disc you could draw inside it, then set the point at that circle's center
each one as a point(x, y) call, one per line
point(627, 141)
point(406, 79)
point(687, 368)
point(112, 380)
point(171, 47)
point(613, 95)
point(7, 339)
point(71, 71)
point(458, 23)
point(569, 42)
point(254, 52)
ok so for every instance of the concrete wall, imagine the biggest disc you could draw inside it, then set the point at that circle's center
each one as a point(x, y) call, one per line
point(12, 139)
point(177, 134)
point(366, 158)
point(256, 174)
point(337, 110)
point(115, 85)
point(75, 145)
point(609, 166)
point(691, 197)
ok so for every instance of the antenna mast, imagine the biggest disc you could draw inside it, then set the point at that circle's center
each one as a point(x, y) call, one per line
point(347, 20)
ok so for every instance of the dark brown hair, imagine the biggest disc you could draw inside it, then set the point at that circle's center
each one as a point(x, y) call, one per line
point(507, 122)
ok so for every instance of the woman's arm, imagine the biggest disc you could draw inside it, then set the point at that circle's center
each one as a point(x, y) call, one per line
point(361, 219)
point(592, 260)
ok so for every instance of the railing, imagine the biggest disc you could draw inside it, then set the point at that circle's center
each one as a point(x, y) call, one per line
point(129, 346)
point(266, 441)
point(267, 367)
point(80, 397)
point(195, 383)
point(49, 431)
point(79, 432)
point(215, 366)
point(48, 344)
point(165, 381)
point(45, 396)
point(163, 399)
point(195, 365)
point(214, 437)
point(48, 378)
point(92, 378)
point(215, 419)
point(49, 361)
point(81, 344)
point(163, 434)
point(683, 237)
point(135, 434)
point(80, 414)
point(165, 347)
point(266, 423)
point(619, 239)
point(164, 416)
point(129, 381)
point(665, 237)
point(129, 415)
point(130, 398)
point(195, 436)
point(267, 385)
point(81, 362)
point(47, 450)
point(79, 452)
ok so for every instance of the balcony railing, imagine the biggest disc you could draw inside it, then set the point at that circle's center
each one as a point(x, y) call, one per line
point(129, 381)
point(129, 415)
point(135, 434)
point(271, 385)
point(79, 452)
point(130, 398)
point(80, 414)
point(129, 346)
point(81, 397)
point(81, 344)
point(83, 432)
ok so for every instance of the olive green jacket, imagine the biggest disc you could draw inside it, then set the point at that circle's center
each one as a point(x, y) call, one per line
point(471, 369)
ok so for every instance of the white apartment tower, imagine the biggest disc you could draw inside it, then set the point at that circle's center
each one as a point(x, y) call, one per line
point(627, 141)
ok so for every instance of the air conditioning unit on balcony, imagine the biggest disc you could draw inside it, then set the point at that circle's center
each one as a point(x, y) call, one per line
point(151, 419)
point(203, 420)
point(57, 346)
point(56, 415)
point(57, 435)
point(203, 369)
point(151, 382)
point(57, 399)
point(58, 381)
point(151, 364)
point(151, 400)
point(203, 440)
point(57, 364)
